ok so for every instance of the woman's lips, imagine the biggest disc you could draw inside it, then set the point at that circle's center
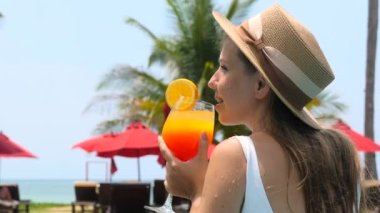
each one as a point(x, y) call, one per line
point(219, 102)
point(218, 99)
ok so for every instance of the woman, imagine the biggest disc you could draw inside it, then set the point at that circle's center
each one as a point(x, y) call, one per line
point(270, 68)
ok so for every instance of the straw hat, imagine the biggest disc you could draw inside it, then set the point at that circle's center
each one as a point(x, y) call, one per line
point(286, 54)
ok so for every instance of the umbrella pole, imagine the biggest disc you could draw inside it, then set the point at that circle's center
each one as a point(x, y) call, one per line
point(138, 168)
point(86, 172)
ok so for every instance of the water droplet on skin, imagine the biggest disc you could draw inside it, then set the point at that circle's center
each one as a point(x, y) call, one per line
point(216, 196)
point(233, 182)
point(229, 189)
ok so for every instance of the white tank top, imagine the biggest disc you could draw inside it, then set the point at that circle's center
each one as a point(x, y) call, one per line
point(255, 199)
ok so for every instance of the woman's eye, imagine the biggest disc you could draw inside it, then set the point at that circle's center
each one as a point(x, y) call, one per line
point(223, 67)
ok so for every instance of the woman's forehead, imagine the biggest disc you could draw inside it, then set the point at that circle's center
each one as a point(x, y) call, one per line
point(229, 47)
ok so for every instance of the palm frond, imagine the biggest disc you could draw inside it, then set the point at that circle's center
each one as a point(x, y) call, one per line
point(163, 52)
point(179, 15)
point(140, 26)
point(326, 106)
point(238, 10)
point(113, 125)
point(105, 103)
point(126, 76)
point(232, 8)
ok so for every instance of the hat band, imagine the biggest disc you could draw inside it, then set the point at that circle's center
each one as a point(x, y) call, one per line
point(288, 90)
point(287, 73)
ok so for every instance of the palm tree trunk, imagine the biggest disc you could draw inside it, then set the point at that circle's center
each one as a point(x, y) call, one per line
point(370, 158)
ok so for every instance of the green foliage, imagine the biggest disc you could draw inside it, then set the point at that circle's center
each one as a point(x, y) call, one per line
point(39, 207)
point(326, 107)
point(138, 96)
point(191, 52)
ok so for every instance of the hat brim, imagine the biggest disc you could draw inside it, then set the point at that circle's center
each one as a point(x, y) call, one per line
point(254, 57)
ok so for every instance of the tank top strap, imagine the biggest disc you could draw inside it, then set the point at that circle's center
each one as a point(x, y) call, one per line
point(255, 199)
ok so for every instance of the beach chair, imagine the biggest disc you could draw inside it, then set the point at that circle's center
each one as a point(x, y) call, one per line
point(105, 193)
point(6, 209)
point(130, 197)
point(159, 192)
point(86, 195)
point(23, 205)
point(7, 204)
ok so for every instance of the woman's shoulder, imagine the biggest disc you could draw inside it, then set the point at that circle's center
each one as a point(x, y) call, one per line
point(229, 143)
point(229, 148)
point(225, 183)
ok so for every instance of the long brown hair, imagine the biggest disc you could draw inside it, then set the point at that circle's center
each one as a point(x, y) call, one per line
point(325, 159)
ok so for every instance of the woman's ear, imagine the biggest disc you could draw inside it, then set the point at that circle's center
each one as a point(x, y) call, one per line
point(262, 88)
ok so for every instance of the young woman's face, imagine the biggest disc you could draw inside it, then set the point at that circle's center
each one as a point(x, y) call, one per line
point(234, 86)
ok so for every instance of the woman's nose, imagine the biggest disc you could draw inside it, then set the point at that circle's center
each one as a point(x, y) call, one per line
point(212, 82)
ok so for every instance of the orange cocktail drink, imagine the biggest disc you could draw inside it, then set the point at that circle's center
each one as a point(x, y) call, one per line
point(182, 129)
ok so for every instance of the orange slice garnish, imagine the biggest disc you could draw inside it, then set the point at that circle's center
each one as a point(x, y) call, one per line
point(181, 94)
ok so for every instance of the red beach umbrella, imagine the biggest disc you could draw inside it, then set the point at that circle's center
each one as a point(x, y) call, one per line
point(93, 145)
point(362, 143)
point(10, 149)
point(135, 141)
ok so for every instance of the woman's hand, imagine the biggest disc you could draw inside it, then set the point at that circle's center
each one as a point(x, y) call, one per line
point(185, 179)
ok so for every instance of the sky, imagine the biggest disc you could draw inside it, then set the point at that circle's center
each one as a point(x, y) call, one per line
point(54, 53)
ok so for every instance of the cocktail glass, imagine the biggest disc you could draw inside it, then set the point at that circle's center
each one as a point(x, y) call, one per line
point(182, 132)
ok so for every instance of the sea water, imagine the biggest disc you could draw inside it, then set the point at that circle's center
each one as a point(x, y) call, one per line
point(46, 191)
point(49, 191)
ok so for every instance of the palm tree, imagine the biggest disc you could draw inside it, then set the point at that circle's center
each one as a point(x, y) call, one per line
point(370, 158)
point(326, 107)
point(138, 96)
point(191, 53)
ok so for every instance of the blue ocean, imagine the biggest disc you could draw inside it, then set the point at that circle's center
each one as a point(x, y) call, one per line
point(47, 191)
point(52, 191)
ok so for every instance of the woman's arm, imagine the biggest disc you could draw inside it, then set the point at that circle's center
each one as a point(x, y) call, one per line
point(224, 185)
point(215, 186)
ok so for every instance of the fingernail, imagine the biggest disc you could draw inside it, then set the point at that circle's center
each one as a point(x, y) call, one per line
point(204, 136)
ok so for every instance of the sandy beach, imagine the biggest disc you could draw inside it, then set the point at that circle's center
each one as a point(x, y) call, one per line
point(62, 209)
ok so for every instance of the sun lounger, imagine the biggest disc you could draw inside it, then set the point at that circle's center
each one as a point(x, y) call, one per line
point(18, 204)
point(159, 192)
point(8, 206)
point(105, 193)
point(124, 197)
point(130, 197)
point(85, 196)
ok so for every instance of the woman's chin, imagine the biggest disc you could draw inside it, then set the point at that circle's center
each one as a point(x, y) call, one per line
point(225, 121)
